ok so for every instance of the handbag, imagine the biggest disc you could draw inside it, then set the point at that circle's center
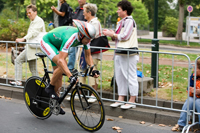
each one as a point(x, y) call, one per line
point(101, 41)
point(82, 63)
point(15, 52)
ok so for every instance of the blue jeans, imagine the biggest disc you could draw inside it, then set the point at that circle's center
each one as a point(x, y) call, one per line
point(183, 116)
point(72, 58)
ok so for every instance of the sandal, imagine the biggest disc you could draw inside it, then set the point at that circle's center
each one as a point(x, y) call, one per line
point(17, 83)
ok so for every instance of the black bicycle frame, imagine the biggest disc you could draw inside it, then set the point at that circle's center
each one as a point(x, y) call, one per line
point(47, 78)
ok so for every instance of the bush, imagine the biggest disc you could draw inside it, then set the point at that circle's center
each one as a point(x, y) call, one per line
point(169, 28)
point(11, 29)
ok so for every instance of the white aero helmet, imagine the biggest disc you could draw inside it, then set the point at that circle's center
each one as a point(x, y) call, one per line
point(85, 28)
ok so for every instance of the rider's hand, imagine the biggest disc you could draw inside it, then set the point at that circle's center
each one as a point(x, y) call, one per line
point(73, 79)
point(95, 73)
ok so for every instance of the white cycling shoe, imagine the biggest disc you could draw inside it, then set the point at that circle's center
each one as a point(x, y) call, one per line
point(75, 98)
point(92, 99)
point(17, 83)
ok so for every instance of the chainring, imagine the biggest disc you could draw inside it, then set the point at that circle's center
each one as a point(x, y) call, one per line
point(54, 106)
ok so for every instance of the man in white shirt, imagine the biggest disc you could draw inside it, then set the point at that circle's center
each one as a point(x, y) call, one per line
point(35, 32)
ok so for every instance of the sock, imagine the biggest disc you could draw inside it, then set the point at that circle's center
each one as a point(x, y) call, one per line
point(51, 86)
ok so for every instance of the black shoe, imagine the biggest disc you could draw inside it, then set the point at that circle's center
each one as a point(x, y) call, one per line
point(50, 91)
point(180, 128)
point(62, 112)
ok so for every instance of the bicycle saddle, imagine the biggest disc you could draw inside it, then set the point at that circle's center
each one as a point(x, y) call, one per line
point(41, 55)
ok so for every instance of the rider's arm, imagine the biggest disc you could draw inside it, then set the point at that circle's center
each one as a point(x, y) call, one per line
point(88, 57)
point(62, 63)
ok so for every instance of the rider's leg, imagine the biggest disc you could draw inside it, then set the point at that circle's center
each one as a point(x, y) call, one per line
point(58, 84)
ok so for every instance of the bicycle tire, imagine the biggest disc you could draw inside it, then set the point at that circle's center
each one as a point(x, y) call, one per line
point(38, 109)
point(93, 116)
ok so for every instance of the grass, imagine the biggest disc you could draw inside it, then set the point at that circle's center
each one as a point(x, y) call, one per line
point(180, 75)
point(180, 78)
point(169, 42)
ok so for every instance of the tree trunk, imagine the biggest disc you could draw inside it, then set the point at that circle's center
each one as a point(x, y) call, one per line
point(33, 2)
point(180, 22)
point(104, 18)
point(18, 10)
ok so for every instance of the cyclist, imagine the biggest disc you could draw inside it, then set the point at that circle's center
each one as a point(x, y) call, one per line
point(56, 45)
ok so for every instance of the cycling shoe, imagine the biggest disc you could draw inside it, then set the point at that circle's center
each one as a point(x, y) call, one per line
point(52, 94)
point(62, 112)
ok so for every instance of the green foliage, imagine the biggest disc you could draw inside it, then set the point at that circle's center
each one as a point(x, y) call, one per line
point(139, 8)
point(44, 8)
point(163, 11)
point(170, 26)
point(106, 8)
point(11, 29)
point(1, 5)
point(7, 13)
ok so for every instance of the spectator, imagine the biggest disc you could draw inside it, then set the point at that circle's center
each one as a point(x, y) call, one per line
point(35, 31)
point(128, 25)
point(51, 25)
point(62, 13)
point(78, 14)
point(89, 11)
point(183, 116)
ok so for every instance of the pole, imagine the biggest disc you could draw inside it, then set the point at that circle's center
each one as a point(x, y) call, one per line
point(199, 32)
point(155, 46)
point(188, 34)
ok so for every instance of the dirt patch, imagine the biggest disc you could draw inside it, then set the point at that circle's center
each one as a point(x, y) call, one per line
point(147, 60)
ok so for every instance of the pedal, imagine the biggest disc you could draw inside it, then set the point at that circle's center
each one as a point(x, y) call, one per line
point(34, 102)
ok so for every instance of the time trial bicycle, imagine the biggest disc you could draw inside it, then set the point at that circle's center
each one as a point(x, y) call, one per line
point(90, 116)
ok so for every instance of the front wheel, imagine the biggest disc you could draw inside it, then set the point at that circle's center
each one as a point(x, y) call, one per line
point(36, 99)
point(90, 116)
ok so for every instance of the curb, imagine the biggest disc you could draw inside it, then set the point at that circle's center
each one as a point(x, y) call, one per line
point(140, 113)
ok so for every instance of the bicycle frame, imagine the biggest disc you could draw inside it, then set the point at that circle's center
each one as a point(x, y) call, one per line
point(70, 86)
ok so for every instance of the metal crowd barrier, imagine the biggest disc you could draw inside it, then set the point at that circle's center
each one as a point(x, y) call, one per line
point(114, 93)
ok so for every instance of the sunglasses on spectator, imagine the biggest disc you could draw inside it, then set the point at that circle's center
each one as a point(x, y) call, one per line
point(28, 13)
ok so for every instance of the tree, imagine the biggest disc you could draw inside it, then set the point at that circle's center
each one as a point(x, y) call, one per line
point(1, 5)
point(107, 11)
point(139, 8)
point(182, 10)
point(180, 22)
point(44, 8)
point(106, 8)
point(164, 10)
point(15, 5)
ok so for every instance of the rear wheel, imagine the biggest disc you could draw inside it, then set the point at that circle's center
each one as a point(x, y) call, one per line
point(36, 99)
point(89, 116)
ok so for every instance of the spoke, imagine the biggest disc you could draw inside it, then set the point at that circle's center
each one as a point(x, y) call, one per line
point(93, 118)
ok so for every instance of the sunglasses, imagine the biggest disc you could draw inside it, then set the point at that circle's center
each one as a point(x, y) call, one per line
point(28, 13)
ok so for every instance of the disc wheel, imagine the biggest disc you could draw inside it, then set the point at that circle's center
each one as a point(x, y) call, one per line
point(90, 116)
point(36, 99)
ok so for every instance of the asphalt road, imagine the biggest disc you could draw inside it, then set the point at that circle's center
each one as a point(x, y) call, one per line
point(15, 118)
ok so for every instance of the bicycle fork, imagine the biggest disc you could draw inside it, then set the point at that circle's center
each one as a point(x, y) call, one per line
point(78, 91)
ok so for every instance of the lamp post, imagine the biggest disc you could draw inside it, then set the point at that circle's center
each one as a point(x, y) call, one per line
point(155, 45)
